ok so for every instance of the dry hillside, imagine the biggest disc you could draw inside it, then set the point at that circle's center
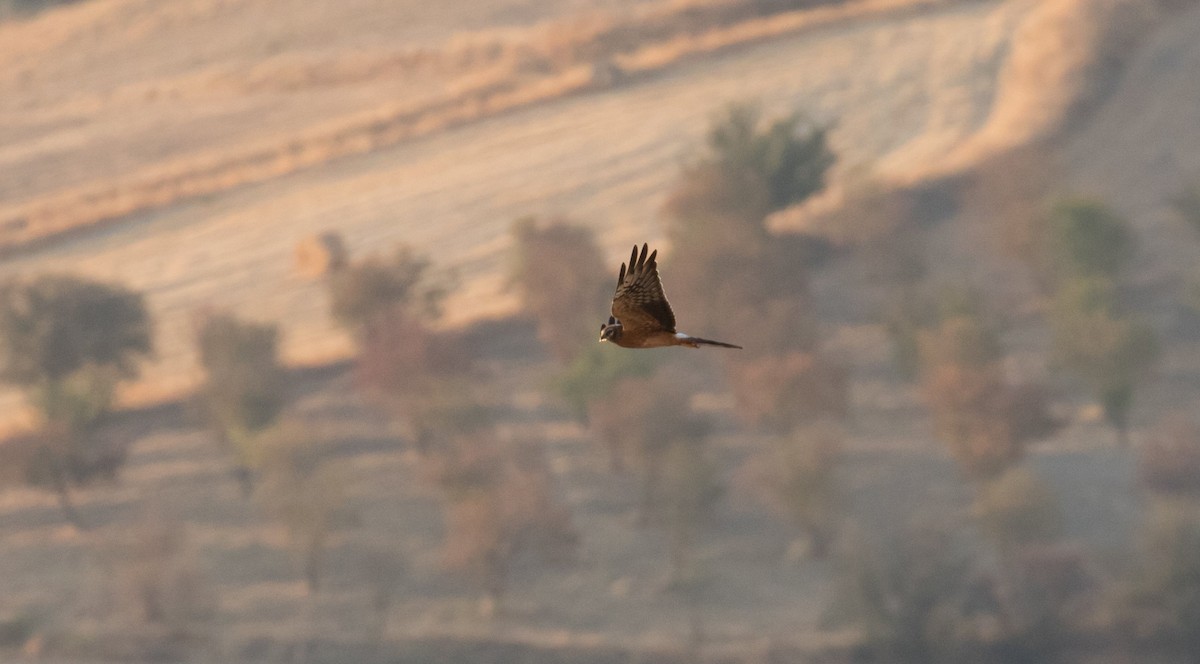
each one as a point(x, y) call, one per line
point(912, 84)
point(192, 173)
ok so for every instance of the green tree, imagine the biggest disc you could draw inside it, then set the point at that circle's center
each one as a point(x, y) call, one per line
point(1086, 239)
point(55, 325)
point(1110, 352)
point(244, 389)
point(595, 373)
point(560, 275)
point(787, 156)
point(67, 342)
point(374, 286)
point(725, 260)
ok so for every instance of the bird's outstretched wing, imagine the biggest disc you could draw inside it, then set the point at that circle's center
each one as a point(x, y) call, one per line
point(639, 302)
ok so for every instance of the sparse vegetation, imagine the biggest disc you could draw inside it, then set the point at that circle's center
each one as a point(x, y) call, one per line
point(244, 389)
point(595, 373)
point(366, 290)
point(161, 581)
point(640, 421)
point(796, 477)
point(985, 420)
point(1016, 510)
point(307, 494)
point(559, 273)
point(68, 341)
point(1005, 586)
point(416, 374)
point(917, 598)
point(1166, 595)
point(1087, 239)
point(1110, 352)
point(1169, 458)
point(499, 506)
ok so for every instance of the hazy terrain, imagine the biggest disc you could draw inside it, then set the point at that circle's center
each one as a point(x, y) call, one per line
point(901, 92)
point(217, 134)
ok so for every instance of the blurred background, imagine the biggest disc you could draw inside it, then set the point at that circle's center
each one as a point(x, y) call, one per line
point(299, 302)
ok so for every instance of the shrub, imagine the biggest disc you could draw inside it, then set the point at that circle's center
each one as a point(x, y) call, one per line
point(1169, 459)
point(780, 393)
point(417, 374)
point(160, 579)
point(713, 207)
point(919, 598)
point(559, 273)
point(499, 506)
point(904, 317)
point(1045, 593)
point(68, 341)
point(1087, 239)
point(1167, 590)
point(1016, 509)
point(244, 389)
point(55, 325)
point(1109, 352)
point(639, 421)
point(385, 572)
point(985, 420)
point(722, 289)
point(796, 476)
point(789, 159)
point(595, 373)
point(56, 459)
point(307, 495)
point(691, 489)
point(963, 385)
point(375, 286)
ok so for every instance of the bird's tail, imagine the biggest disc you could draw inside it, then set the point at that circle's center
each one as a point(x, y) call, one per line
point(696, 342)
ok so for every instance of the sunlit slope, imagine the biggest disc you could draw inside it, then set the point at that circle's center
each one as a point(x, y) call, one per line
point(909, 86)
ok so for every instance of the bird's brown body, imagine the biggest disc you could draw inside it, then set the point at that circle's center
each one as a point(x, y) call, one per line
point(641, 316)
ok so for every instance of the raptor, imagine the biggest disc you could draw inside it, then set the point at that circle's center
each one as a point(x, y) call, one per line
point(641, 316)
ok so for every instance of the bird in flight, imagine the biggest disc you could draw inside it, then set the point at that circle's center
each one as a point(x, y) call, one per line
point(641, 316)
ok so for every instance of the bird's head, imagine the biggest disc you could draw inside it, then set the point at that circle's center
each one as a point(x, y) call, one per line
point(610, 331)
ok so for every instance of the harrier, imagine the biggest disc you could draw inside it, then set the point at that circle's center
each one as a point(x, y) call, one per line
point(641, 316)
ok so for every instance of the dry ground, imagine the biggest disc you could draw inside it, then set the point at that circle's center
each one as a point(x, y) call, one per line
point(910, 86)
point(902, 92)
